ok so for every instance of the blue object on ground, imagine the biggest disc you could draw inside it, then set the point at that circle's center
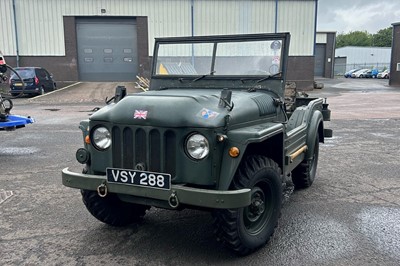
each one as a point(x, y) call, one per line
point(16, 121)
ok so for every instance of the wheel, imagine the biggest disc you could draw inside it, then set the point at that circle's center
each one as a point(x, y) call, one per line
point(246, 229)
point(41, 92)
point(304, 174)
point(111, 210)
point(54, 86)
point(361, 76)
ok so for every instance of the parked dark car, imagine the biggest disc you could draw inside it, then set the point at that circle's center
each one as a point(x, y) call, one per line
point(37, 81)
point(348, 73)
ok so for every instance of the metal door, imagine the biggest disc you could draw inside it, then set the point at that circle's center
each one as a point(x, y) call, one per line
point(319, 67)
point(107, 49)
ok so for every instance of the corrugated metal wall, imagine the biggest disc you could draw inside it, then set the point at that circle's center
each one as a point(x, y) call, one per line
point(7, 37)
point(298, 18)
point(233, 16)
point(40, 22)
point(365, 55)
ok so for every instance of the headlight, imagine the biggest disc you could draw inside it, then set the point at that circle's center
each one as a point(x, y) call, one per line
point(101, 138)
point(197, 146)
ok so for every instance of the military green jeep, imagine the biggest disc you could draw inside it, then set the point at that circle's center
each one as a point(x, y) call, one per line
point(213, 132)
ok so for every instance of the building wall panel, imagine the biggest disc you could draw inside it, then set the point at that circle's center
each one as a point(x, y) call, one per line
point(298, 18)
point(213, 17)
point(7, 37)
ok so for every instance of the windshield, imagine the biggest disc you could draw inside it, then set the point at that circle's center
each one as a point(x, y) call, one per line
point(25, 73)
point(223, 58)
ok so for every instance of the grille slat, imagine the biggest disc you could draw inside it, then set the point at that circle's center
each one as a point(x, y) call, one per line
point(155, 148)
point(128, 149)
point(116, 149)
point(155, 158)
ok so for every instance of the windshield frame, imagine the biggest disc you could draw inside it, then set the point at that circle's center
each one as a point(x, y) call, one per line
point(222, 40)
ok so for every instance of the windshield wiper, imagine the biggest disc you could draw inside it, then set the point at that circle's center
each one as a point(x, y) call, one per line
point(203, 76)
point(268, 77)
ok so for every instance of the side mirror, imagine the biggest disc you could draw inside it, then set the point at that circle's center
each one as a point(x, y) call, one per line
point(225, 100)
point(120, 93)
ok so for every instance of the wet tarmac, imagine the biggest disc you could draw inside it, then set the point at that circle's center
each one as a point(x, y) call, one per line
point(350, 216)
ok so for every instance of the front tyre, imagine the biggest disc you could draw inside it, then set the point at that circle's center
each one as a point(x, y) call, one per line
point(42, 91)
point(246, 229)
point(304, 174)
point(111, 210)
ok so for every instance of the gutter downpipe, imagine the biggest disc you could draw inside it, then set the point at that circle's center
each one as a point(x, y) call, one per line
point(192, 26)
point(315, 26)
point(16, 32)
point(192, 16)
point(276, 16)
point(315, 39)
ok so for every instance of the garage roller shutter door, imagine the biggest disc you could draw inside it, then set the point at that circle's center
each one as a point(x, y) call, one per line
point(107, 49)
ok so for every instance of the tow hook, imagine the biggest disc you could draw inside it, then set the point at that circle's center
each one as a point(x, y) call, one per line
point(102, 190)
point(173, 200)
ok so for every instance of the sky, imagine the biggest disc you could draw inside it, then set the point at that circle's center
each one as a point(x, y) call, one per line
point(344, 16)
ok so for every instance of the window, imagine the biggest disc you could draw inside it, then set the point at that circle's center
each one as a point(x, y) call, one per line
point(40, 73)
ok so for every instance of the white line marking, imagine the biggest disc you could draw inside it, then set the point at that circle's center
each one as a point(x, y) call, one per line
point(66, 87)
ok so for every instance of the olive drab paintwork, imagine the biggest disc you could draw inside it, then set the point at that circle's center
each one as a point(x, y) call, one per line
point(208, 96)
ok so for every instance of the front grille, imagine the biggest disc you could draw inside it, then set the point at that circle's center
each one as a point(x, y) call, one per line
point(154, 149)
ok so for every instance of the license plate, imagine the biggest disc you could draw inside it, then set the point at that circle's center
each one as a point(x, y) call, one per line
point(139, 178)
point(18, 84)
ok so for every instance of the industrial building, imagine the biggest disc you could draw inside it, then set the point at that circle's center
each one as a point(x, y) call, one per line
point(351, 57)
point(112, 40)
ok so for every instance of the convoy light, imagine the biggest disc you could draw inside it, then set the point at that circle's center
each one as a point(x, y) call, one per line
point(82, 156)
point(197, 146)
point(101, 138)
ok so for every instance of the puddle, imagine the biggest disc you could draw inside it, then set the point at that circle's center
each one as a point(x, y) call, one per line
point(18, 150)
point(383, 135)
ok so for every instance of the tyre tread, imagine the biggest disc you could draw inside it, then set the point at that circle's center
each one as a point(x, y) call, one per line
point(111, 210)
point(226, 226)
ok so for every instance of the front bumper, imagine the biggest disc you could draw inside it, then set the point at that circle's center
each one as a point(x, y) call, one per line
point(206, 198)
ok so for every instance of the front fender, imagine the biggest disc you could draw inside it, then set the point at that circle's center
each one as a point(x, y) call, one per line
point(241, 138)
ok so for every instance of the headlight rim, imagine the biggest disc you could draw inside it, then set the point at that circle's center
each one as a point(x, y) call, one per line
point(188, 154)
point(93, 142)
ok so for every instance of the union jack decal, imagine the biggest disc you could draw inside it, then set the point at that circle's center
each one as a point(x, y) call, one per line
point(140, 114)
